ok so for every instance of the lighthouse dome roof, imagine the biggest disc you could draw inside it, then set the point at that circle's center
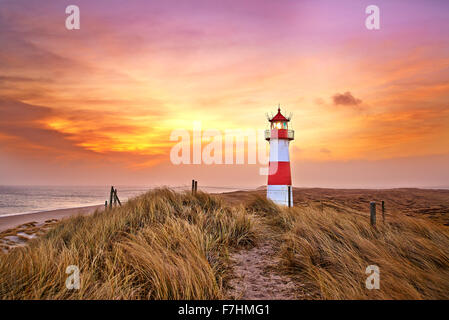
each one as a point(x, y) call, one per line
point(279, 117)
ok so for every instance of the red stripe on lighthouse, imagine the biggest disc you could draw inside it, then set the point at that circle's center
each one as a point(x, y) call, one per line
point(279, 134)
point(279, 173)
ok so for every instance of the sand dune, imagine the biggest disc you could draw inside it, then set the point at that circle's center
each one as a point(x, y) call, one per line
point(432, 204)
point(167, 245)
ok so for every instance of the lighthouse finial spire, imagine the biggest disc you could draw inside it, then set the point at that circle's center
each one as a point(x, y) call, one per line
point(279, 107)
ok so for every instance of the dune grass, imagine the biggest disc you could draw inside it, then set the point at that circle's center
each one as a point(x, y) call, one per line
point(161, 245)
point(329, 251)
point(167, 245)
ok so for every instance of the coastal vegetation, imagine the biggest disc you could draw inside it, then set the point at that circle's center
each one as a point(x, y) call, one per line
point(169, 245)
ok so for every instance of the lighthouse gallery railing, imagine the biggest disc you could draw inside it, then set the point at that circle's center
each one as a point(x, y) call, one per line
point(290, 134)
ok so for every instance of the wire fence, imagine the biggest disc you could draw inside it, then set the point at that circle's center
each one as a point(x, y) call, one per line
point(229, 188)
point(322, 203)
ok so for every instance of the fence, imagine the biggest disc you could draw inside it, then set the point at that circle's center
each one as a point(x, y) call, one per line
point(114, 199)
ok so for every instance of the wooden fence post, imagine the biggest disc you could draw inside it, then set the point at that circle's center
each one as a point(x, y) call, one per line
point(289, 199)
point(110, 197)
point(106, 205)
point(196, 186)
point(193, 186)
point(383, 211)
point(116, 198)
point(373, 213)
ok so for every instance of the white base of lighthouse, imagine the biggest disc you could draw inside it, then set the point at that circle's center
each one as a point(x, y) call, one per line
point(279, 194)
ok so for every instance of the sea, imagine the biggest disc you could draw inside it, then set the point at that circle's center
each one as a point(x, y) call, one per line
point(28, 199)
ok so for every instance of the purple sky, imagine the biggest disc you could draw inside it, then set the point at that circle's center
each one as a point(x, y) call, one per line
point(370, 106)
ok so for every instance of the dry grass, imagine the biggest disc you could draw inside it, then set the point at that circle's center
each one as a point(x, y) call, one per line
point(161, 245)
point(329, 251)
point(166, 245)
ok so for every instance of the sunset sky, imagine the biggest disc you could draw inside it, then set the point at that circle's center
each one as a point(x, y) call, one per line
point(97, 105)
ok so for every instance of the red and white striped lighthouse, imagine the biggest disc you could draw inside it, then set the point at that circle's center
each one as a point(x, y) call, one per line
point(279, 178)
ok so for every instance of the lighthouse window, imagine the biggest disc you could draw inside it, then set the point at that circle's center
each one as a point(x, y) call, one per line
point(285, 125)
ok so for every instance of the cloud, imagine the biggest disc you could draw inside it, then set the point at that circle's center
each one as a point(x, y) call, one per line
point(346, 99)
point(36, 131)
point(20, 79)
point(17, 112)
point(86, 97)
point(23, 126)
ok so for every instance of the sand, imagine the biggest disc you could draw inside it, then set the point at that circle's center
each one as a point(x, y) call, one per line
point(17, 230)
point(10, 222)
point(257, 276)
point(430, 204)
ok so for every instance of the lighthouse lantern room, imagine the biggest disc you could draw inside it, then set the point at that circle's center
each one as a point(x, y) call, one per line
point(279, 188)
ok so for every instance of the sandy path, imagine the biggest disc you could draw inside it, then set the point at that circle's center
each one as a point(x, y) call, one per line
point(257, 275)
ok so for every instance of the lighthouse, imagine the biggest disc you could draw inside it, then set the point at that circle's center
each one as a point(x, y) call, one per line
point(279, 187)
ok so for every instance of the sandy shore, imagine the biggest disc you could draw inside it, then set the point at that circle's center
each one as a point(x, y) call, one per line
point(10, 222)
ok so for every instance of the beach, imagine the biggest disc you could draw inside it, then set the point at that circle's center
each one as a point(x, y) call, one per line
point(17, 229)
point(12, 221)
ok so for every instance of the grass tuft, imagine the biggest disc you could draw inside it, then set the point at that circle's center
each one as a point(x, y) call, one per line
point(160, 245)
point(330, 251)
